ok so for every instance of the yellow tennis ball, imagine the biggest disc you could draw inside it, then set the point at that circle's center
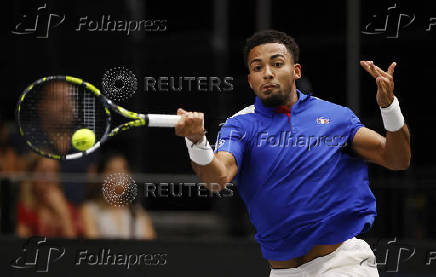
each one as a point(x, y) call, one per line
point(83, 139)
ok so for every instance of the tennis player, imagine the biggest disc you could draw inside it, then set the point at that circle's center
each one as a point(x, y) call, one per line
point(300, 163)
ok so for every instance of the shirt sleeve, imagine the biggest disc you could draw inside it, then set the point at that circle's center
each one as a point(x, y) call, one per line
point(231, 139)
point(354, 124)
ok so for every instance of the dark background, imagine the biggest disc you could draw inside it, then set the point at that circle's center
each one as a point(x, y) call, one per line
point(205, 38)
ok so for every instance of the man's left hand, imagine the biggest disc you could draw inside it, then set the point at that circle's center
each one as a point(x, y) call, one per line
point(384, 80)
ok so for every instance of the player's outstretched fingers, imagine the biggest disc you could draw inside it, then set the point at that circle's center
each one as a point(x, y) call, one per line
point(181, 111)
point(391, 68)
point(368, 68)
point(382, 73)
point(374, 68)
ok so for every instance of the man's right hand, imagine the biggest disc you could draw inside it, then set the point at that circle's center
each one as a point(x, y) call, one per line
point(191, 125)
point(223, 168)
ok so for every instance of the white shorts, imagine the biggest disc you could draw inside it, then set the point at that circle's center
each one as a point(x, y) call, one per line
point(353, 258)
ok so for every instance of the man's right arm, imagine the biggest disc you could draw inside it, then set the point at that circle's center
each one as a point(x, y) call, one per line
point(222, 169)
point(219, 172)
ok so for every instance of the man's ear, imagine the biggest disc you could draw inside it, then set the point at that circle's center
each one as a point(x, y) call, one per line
point(297, 71)
point(249, 81)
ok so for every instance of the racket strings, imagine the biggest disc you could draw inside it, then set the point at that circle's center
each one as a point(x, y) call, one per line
point(52, 111)
point(89, 111)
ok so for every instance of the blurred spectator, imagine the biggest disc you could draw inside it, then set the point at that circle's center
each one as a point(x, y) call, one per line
point(102, 220)
point(55, 116)
point(58, 119)
point(9, 160)
point(75, 192)
point(42, 207)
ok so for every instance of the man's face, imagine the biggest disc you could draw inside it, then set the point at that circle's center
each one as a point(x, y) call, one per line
point(272, 73)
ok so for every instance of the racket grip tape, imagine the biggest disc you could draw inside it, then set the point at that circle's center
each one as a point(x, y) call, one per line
point(162, 120)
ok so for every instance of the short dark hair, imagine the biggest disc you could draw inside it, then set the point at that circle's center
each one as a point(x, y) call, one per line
point(272, 36)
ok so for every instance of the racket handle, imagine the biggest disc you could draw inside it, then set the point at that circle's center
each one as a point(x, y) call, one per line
point(162, 120)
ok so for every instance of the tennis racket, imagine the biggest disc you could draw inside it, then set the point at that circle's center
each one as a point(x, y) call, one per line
point(52, 109)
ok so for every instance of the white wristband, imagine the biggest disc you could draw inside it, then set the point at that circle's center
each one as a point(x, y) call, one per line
point(393, 119)
point(200, 153)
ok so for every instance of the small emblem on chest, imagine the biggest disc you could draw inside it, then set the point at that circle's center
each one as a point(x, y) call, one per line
point(322, 120)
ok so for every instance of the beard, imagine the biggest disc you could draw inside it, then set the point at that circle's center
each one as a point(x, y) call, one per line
point(275, 100)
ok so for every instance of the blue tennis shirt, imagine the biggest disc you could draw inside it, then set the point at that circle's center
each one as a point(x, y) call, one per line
point(300, 186)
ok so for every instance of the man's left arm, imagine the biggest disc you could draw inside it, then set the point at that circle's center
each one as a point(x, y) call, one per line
point(393, 150)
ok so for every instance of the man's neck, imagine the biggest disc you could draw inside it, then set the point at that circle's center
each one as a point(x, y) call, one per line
point(293, 98)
